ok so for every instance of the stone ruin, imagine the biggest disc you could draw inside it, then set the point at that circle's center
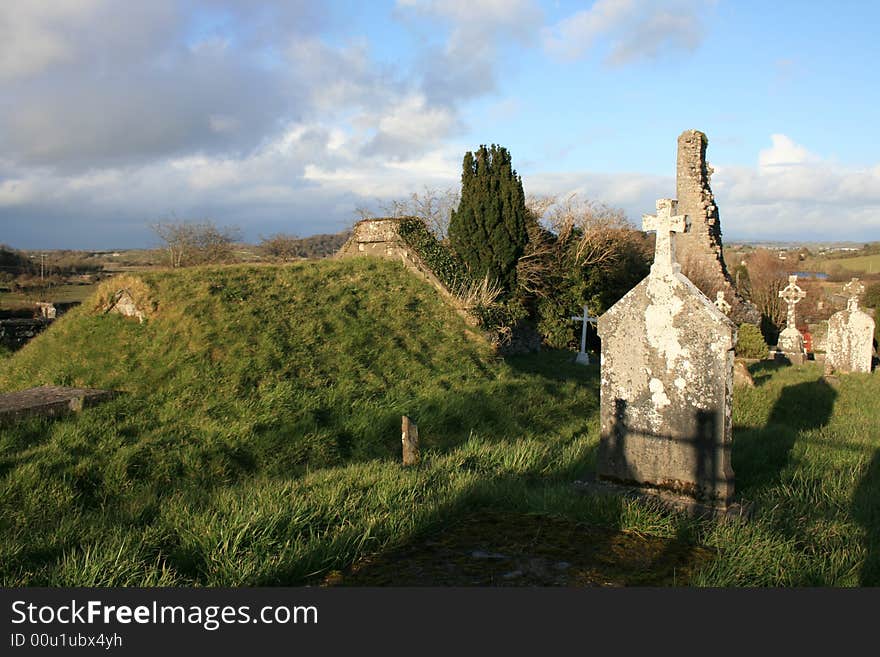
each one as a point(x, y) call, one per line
point(381, 238)
point(700, 250)
point(124, 304)
point(850, 339)
point(667, 383)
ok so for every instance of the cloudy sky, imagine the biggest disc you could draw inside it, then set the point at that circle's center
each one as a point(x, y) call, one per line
point(285, 116)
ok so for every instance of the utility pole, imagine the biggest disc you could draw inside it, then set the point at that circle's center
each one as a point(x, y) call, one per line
point(42, 265)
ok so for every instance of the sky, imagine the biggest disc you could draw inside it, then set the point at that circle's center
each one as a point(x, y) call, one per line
point(286, 116)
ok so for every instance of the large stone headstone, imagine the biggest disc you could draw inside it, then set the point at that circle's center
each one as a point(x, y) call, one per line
point(667, 381)
point(791, 341)
point(849, 344)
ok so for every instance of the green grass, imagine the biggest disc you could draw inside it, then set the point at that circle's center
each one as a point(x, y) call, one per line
point(259, 441)
point(869, 264)
point(56, 294)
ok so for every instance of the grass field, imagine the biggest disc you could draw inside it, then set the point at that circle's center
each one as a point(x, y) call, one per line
point(259, 439)
point(869, 264)
point(57, 294)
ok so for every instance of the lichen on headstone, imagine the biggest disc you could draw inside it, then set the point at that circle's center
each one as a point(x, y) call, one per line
point(667, 381)
point(849, 343)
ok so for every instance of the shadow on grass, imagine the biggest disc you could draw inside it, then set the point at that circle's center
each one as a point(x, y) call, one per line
point(556, 365)
point(495, 534)
point(866, 511)
point(760, 455)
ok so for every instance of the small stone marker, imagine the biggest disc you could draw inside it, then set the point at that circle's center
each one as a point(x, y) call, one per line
point(410, 439)
point(850, 335)
point(47, 310)
point(721, 302)
point(742, 376)
point(667, 383)
point(791, 342)
point(583, 358)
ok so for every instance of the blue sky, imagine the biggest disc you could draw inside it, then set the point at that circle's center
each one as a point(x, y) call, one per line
point(286, 116)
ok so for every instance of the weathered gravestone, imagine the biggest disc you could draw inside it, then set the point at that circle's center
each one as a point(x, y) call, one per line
point(667, 382)
point(791, 342)
point(850, 335)
point(721, 302)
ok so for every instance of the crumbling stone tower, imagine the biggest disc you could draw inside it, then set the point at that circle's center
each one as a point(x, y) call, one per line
point(700, 251)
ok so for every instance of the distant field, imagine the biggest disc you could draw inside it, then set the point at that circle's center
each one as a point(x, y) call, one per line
point(869, 264)
point(59, 294)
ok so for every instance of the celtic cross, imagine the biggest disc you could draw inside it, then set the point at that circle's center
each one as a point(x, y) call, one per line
point(791, 294)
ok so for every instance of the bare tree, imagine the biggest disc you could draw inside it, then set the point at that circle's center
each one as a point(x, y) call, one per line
point(571, 232)
point(432, 206)
point(282, 247)
point(194, 243)
point(767, 276)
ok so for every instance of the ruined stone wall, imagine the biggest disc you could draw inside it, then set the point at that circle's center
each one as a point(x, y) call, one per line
point(380, 238)
point(700, 251)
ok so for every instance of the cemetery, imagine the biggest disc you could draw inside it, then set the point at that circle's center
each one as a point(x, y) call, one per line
point(387, 418)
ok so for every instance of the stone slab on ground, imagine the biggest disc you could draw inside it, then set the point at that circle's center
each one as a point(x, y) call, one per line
point(49, 401)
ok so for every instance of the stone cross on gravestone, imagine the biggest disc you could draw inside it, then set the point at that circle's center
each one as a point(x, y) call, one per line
point(665, 223)
point(721, 303)
point(583, 357)
point(791, 294)
point(853, 290)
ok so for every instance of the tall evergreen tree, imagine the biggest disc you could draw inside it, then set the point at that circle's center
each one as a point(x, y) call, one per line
point(488, 231)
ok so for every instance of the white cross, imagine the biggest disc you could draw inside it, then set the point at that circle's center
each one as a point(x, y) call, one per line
point(666, 223)
point(792, 294)
point(583, 358)
point(721, 302)
point(853, 289)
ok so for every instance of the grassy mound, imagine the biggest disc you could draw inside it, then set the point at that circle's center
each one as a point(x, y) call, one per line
point(259, 444)
point(245, 377)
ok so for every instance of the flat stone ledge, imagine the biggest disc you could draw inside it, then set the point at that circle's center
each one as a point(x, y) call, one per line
point(677, 503)
point(49, 401)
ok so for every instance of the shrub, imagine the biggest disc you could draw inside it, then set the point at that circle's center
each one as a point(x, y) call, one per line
point(750, 342)
point(445, 265)
point(488, 230)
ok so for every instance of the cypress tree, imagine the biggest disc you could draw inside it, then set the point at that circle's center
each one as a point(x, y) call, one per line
point(488, 231)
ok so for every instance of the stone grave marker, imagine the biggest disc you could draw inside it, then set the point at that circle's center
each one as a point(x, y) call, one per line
point(583, 358)
point(410, 440)
point(721, 302)
point(667, 383)
point(849, 344)
point(791, 342)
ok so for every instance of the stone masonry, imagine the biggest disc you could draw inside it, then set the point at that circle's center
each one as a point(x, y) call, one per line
point(700, 250)
point(380, 238)
point(850, 336)
point(667, 382)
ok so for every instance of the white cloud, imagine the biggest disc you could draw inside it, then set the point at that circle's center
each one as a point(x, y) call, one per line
point(628, 30)
point(793, 192)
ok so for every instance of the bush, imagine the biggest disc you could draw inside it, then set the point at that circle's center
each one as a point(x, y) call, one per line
point(750, 343)
point(445, 265)
point(488, 230)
